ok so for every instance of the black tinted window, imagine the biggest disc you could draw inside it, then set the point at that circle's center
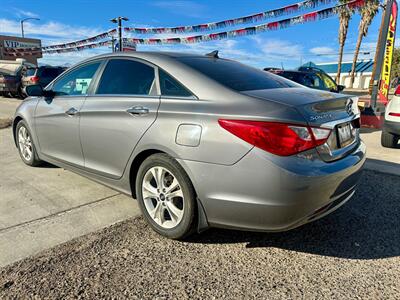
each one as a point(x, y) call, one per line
point(77, 81)
point(236, 75)
point(170, 87)
point(126, 77)
point(51, 72)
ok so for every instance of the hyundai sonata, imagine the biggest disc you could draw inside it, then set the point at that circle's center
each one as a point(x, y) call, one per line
point(199, 141)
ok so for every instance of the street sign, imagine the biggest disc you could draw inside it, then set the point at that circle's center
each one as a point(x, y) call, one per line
point(128, 46)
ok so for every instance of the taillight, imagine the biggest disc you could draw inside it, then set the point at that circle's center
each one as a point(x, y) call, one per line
point(394, 114)
point(277, 138)
point(35, 79)
point(397, 91)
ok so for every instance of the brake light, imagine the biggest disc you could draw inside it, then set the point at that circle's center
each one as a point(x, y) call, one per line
point(397, 91)
point(277, 138)
point(394, 114)
point(35, 79)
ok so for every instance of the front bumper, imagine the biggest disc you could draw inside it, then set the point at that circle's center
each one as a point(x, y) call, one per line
point(268, 193)
point(392, 127)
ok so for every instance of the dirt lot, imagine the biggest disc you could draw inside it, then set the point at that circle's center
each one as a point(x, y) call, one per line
point(352, 253)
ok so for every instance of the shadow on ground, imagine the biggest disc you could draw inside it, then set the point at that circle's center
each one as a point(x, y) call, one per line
point(46, 165)
point(366, 227)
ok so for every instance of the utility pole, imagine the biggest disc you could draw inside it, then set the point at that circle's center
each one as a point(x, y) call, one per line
point(22, 24)
point(112, 44)
point(118, 21)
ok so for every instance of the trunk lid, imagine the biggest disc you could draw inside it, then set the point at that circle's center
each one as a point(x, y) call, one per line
point(338, 112)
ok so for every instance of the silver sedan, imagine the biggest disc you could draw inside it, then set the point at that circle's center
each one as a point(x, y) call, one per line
point(199, 141)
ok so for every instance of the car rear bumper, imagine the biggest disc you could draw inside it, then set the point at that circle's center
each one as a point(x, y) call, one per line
point(5, 87)
point(392, 127)
point(260, 193)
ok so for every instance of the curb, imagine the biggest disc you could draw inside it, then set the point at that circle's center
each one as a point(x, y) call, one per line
point(5, 122)
point(382, 166)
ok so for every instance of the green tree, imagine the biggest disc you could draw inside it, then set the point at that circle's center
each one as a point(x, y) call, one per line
point(345, 14)
point(395, 71)
point(368, 12)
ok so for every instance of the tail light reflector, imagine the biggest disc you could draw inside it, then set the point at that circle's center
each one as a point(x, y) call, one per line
point(393, 114)
point(397, 91)
point(35, 79)
point(277, 138)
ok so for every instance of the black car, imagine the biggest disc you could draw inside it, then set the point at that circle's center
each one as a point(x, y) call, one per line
point(40, 76)
point(311, 77)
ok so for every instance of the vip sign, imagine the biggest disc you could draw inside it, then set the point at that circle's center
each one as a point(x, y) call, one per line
point(17, 44)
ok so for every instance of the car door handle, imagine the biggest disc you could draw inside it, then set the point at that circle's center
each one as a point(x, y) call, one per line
point(71, 112)
point(138, 110)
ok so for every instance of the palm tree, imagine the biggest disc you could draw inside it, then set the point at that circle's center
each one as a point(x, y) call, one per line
point(368, 12)
point(345, 14)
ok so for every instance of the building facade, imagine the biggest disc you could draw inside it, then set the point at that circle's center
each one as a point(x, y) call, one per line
point(362, 77)
point(13, 42)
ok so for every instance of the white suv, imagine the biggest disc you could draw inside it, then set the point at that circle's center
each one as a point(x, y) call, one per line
point(391, 127)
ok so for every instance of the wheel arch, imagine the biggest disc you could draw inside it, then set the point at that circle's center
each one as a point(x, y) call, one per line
point(16, 120)
point(202, 222)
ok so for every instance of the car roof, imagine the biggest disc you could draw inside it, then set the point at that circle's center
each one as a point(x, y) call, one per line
point(150, 54)
point(195, 81)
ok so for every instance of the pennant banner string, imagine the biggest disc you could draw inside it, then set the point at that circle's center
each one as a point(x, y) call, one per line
point(292, 8)
point(305, 18)
point(98, 37)
point(309, 17)
point(202, 27)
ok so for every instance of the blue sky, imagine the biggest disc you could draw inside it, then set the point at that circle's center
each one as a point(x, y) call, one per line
point(64, 21)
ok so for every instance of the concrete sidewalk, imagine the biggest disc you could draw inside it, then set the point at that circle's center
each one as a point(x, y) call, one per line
point(43, 207)
point(380, 159)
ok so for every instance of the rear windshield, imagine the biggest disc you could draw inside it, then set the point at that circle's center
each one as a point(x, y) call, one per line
point(235, 75)
point(51, 72)
point(30, 72)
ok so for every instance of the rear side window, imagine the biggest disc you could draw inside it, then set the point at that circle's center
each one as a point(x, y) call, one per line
point(235, 75)
point(170, 87)
point(126, 77)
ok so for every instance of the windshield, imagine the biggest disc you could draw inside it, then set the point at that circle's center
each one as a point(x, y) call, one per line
point(235, 75)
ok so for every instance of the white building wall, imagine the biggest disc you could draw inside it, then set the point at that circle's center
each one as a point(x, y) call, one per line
point(361, 80)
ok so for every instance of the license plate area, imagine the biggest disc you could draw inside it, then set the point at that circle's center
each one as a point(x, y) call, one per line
point(345, 134)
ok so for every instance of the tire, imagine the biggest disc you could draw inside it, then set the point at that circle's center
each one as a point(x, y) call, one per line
point(170, 213)
point(389, 140)
point(23, 141)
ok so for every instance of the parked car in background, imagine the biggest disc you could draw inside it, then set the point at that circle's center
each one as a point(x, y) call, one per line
point(10, 77)
point(199, 141)
point(391, 127)
point(41, 75)
point(310, 77)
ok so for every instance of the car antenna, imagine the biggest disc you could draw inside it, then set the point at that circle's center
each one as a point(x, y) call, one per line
point(213, 54)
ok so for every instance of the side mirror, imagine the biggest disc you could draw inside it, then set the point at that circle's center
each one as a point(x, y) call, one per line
point(34, 90)
point(341, 87)
point(37, 91)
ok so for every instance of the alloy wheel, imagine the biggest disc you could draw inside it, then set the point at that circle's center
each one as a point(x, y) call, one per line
point(25, 143)
point(163, 197)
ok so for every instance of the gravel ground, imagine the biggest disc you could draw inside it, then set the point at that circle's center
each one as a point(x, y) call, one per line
point(352, 253)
